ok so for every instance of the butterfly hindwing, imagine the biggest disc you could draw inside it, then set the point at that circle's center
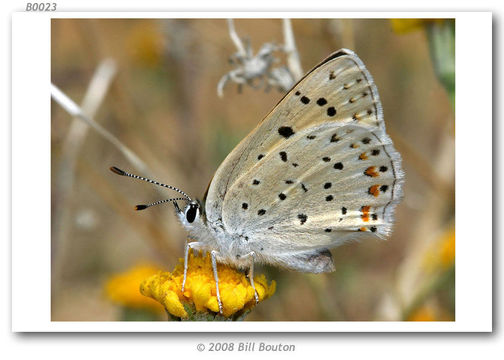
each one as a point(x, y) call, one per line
point(326, 179)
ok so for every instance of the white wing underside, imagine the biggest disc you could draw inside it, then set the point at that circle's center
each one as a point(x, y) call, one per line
point(317, 171)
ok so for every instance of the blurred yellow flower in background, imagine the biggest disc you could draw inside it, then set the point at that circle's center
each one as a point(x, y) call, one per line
point(441, 255)
point(237, 295)
point(441, 40)
point(145, 44)
point(123, 289)
point(423, 313)
point(433, 282)
point(431, 311)
point(447, 251)
point(402, 26)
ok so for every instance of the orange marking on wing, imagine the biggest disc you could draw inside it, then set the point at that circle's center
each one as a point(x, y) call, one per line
point(370, 171)
point(374, 190)
point(362, 229)
point(365, 213)
point(363, 156)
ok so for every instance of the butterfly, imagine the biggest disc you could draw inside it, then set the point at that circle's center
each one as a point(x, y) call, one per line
point(319, 170)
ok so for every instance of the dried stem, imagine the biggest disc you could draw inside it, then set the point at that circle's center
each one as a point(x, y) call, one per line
point(290, 49)
point(235, 38)
point(73, 109)
point(93, 98)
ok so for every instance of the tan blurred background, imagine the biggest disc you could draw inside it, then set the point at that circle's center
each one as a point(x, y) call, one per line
point(162, 103)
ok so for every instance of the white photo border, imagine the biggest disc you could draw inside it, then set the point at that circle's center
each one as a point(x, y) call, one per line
point(31, 154)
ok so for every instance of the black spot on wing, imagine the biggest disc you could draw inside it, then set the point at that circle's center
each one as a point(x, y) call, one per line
point(338, 166)
point(286, 131)
point(321, 102)
point(305, 100)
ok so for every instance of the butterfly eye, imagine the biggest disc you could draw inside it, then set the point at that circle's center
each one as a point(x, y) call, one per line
point(191, 213)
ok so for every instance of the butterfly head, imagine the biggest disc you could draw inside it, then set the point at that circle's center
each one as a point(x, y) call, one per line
point(191, 214)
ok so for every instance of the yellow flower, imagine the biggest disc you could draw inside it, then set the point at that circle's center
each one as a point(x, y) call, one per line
point(237, 295)
point(447, 250)
point(145, 44)
point(402, 26)
point(423, 313)
point(431, 311)
point(123, 289)
point(441, 255)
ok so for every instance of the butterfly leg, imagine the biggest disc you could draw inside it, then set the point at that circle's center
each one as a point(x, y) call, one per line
point(213, 254)
point(251, 273)
point(189, 245)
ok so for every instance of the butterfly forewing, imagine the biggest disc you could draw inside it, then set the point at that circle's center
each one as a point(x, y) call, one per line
point(318, 167)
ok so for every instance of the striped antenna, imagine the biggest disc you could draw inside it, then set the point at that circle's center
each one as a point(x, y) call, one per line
point(124, 173)
point(142, 207)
